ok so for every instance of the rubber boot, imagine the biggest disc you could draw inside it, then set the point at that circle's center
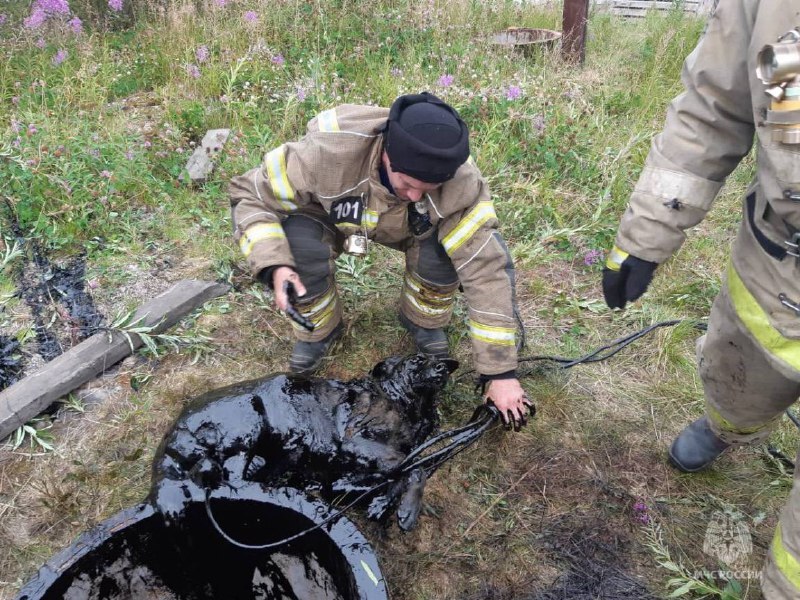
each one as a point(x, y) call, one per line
point(696, 447)
point(307, 356)
point(432, 342)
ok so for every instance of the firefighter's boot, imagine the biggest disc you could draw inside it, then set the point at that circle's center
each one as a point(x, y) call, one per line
point(432, 342)
point(696, 447)
point(307, 356)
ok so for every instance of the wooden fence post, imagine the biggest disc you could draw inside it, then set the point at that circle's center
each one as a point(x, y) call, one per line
point(573, 40)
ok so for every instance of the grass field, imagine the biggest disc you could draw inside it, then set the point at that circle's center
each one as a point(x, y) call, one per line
point(98, 117)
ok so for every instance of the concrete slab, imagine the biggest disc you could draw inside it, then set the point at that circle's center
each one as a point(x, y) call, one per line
point(201, 162)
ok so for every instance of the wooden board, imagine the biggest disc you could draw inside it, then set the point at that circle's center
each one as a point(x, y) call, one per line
point(25, 399)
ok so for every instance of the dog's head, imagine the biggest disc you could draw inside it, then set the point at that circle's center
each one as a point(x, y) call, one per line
point(412, 382)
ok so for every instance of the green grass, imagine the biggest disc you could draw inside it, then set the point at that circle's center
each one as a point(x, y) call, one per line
point(91, 154)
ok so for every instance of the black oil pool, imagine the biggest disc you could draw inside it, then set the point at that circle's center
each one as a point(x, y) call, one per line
point(133, 555)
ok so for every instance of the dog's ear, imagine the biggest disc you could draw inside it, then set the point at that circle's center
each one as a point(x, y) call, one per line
point(385, 368)
point(451, 364)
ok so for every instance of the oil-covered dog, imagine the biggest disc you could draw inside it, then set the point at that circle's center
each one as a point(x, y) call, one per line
point(328, 435)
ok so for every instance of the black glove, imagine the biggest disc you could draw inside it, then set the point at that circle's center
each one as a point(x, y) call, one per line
point(628, 282)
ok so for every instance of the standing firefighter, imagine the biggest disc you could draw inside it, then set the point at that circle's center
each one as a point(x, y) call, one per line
point(399, 177)
point(742, 79)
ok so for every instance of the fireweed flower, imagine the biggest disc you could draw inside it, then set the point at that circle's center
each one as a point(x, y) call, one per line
point(36, 19)
point(201, 54)
point(115, 5)
point(514, 92)
point(76, 25)
point(250, 16)
point(446, 80)
point(278, 59)
point(60, 57)
point(53, 7)
point(589, 259)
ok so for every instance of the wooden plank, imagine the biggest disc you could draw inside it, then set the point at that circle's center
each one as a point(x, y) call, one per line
point(639, 8)
point(648, 4)
point(573, 40)
point(201, 163)
point(27, 398)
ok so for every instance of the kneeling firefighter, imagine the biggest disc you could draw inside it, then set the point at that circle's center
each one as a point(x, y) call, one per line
point(400, 177)
point(742, 81)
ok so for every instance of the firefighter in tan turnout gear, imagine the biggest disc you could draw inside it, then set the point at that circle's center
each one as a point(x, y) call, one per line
point(400, 177)
point(742, 82)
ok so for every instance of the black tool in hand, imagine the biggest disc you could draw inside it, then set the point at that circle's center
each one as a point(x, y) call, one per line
point(291, 295)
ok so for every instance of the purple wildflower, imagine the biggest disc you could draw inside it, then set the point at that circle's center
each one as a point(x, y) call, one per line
point(3, 18)
point(193, 71)
point(301, 94)
point(221, 3)
point(514, 92)
point(538, 122)
point(115, 5)
point(147, 144)
point(53, 7)
point(40, 43)
point(589, 259)
point(251, 16)
point(95, 152)
point(278, 59)
point(105, 173)
point(36, 19)
point(60, 57)
point(32, 129)
point(16, 126)
point(76, 25)
point(129, 155)
point(15, 100)
point(396, 72)
point(201, 54)
point(640, 510)
point(446, 80)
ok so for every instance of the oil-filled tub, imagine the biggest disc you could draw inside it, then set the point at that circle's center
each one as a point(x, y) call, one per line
point(133, 555)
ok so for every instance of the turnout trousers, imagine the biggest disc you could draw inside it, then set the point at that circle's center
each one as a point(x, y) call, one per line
point(429, 284)
point(749, 379)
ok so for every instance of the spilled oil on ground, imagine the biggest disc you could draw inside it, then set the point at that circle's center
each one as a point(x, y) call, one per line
point(63, 312)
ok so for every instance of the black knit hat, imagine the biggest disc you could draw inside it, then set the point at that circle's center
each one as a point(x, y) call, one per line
point(425, 138)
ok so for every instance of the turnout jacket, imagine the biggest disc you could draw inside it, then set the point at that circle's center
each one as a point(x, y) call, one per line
point(332, 174)
point(709, 129)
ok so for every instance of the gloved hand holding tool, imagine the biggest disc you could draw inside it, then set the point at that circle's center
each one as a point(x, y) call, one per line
point(294, 314)
point(625, 277)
